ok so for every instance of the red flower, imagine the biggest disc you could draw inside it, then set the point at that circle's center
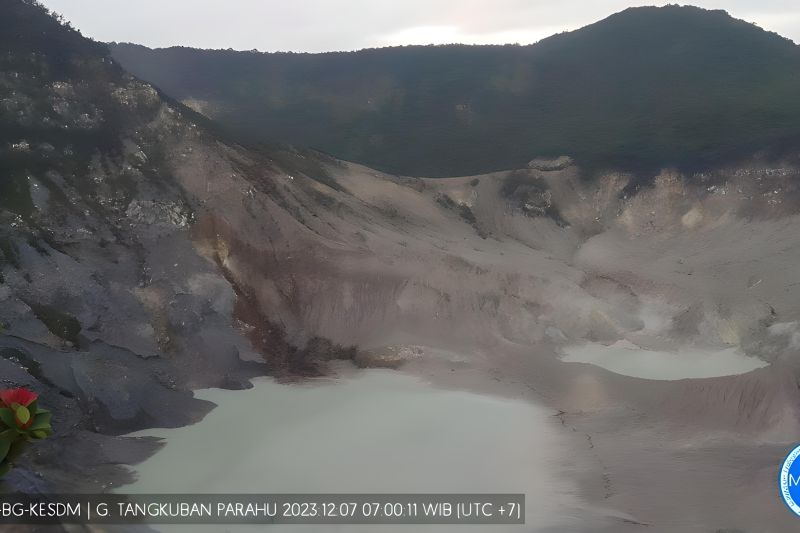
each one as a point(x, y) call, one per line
point(19, 396)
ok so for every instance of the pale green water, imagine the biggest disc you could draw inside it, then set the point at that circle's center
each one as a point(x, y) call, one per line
point(630, 360)
point(379, 431)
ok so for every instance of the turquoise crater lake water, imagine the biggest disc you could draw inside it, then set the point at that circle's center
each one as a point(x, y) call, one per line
point(373, 431)
point(630, 360)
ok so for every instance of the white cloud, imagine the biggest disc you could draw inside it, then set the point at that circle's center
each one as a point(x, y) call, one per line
point(454, 34)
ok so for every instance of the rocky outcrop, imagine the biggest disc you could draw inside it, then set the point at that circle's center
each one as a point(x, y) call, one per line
point(549, 165)
point(388, 357)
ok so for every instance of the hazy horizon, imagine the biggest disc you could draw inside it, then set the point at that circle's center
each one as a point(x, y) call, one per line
point(320, 26)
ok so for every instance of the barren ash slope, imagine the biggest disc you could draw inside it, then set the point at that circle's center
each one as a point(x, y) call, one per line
point(144, 257)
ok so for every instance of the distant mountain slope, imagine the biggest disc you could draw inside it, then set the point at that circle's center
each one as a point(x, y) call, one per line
point(644, 88)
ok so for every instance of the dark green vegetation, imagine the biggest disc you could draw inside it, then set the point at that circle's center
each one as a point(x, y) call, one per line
point(25, 36)
point(57, 111)
point(645, 88)
point(65, 108)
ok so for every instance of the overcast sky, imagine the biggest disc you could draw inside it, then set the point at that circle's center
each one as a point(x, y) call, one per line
point(326, 25)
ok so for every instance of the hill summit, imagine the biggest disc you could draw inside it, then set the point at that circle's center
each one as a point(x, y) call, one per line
point(641, 89)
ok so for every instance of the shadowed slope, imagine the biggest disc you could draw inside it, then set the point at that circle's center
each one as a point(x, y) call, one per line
point(645, 88)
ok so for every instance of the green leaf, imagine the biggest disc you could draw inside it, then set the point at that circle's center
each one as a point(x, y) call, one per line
point(5, 446)
point(39, 434)
point(45, 430)
point(23, 415)
point(41, 421)
point(7, 417)
point(8, 439)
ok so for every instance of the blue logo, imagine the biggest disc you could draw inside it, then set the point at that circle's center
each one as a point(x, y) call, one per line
point(790, 481)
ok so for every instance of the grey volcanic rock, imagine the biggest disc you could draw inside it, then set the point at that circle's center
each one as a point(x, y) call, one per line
point(107, 308)
point(547, 165)
point(117, 390)
point(172, 260)
point(388, 357)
